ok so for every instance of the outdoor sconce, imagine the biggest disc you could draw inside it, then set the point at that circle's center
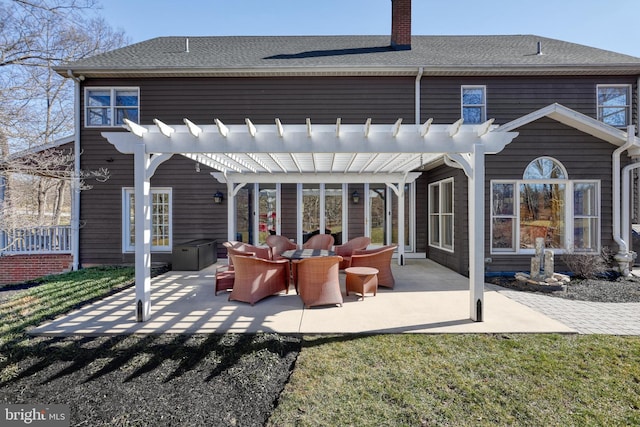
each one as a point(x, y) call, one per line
point(355, 196)
point(217, 198)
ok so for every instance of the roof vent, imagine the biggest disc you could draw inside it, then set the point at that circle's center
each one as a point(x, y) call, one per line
point(186, 45)
point(401, 24)
point(539, 49)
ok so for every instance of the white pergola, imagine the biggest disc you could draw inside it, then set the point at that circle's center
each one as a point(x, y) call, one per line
point(308, 153)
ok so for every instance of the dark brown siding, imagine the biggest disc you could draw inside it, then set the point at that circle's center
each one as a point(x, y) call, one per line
point(289, 208)
point(457, 260)
point(231, 100)
point(356, 212)
point(422, 212)
point(323, 99)
point(509, 98)
point(584, 157)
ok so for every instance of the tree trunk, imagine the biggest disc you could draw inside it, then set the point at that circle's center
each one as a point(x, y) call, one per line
point(5, 191)
point(42, 200)
point(57, 212)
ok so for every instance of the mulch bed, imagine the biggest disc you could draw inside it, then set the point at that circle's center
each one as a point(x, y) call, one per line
point(618, 289)
point(163, 380)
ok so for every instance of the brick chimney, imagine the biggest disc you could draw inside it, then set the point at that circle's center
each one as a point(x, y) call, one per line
point(401, 24)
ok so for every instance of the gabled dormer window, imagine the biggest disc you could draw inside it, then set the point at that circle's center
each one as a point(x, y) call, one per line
point(474, 104)
point(614, 104)
point(106, 107)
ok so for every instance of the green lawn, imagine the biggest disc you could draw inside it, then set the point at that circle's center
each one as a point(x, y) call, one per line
point(464, 380)
point(57, 295)
point(396, 380)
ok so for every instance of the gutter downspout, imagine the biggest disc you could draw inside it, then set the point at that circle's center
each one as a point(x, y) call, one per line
point(418, 78)
point(75, 183)
point(623, 257)
point(626, 220)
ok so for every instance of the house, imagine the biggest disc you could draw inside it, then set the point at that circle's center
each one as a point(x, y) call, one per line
point(29, 248)
point(464, 148)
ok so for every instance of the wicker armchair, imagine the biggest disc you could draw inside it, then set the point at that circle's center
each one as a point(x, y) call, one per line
point(346, 250)
point(279, 244)
point(319, 241)
point(317, 280)
point(379, 258)
point(260, 252)
point(257, 278)
point(226, 274)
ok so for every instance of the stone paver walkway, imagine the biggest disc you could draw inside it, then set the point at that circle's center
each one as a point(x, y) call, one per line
point(583, 316)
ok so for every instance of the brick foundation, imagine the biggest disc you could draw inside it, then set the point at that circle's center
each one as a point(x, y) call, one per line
point(21, 268)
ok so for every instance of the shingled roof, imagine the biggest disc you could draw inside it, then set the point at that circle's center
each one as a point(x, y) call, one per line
point(437, 55)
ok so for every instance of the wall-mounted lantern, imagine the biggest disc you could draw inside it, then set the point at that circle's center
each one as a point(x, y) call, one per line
point(355, 197)
point(217, 198)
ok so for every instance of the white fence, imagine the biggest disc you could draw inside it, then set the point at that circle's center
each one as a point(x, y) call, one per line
point(36, 240)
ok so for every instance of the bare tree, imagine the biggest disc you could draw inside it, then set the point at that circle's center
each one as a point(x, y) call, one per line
point(36, 104)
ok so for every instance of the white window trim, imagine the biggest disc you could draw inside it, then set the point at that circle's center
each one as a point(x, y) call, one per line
point(627, 106)
point(112, 106)
point(440, 214)
point(514, 217)
point(569, 215)
point(126, 246)
point(483, 118)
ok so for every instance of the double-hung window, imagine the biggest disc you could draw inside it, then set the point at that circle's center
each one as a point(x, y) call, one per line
point(614, 104)
point(161, 220)
point(474, 104)
point(110, 106)
point(545, 204)
point(441, 214)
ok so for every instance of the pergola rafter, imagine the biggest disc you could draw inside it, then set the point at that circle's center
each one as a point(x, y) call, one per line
point(278, 153)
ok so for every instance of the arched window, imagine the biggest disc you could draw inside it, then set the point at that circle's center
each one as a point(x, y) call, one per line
point(545, 168)
point(545, 204)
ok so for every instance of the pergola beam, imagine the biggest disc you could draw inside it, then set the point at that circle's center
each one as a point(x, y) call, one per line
point(193, 129)
point(279, 128)
point(424, 130)
point(224, 131)
point(250, 127)
point(134, 128)
point(455, 128)
point(396, 128)
point(367, 127)
point(164, 129)
point(456, 138)
point(326, 178)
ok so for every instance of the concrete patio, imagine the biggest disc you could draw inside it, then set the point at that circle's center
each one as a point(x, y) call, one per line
point(428, 298)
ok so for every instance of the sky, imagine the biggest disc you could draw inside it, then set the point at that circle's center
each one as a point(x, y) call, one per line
point(611, 24)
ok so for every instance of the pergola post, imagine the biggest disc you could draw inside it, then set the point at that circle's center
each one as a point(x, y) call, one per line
point(476, 232)
point(142, 162)
point(231, 223)
point(399, 191)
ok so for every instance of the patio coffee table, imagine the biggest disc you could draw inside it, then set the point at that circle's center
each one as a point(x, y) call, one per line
point(361, 280)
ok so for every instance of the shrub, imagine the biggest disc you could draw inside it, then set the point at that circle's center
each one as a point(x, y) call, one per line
point(588, 266)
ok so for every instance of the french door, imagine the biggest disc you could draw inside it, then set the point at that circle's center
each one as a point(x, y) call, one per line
point(382, 215)
point(324, 208)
